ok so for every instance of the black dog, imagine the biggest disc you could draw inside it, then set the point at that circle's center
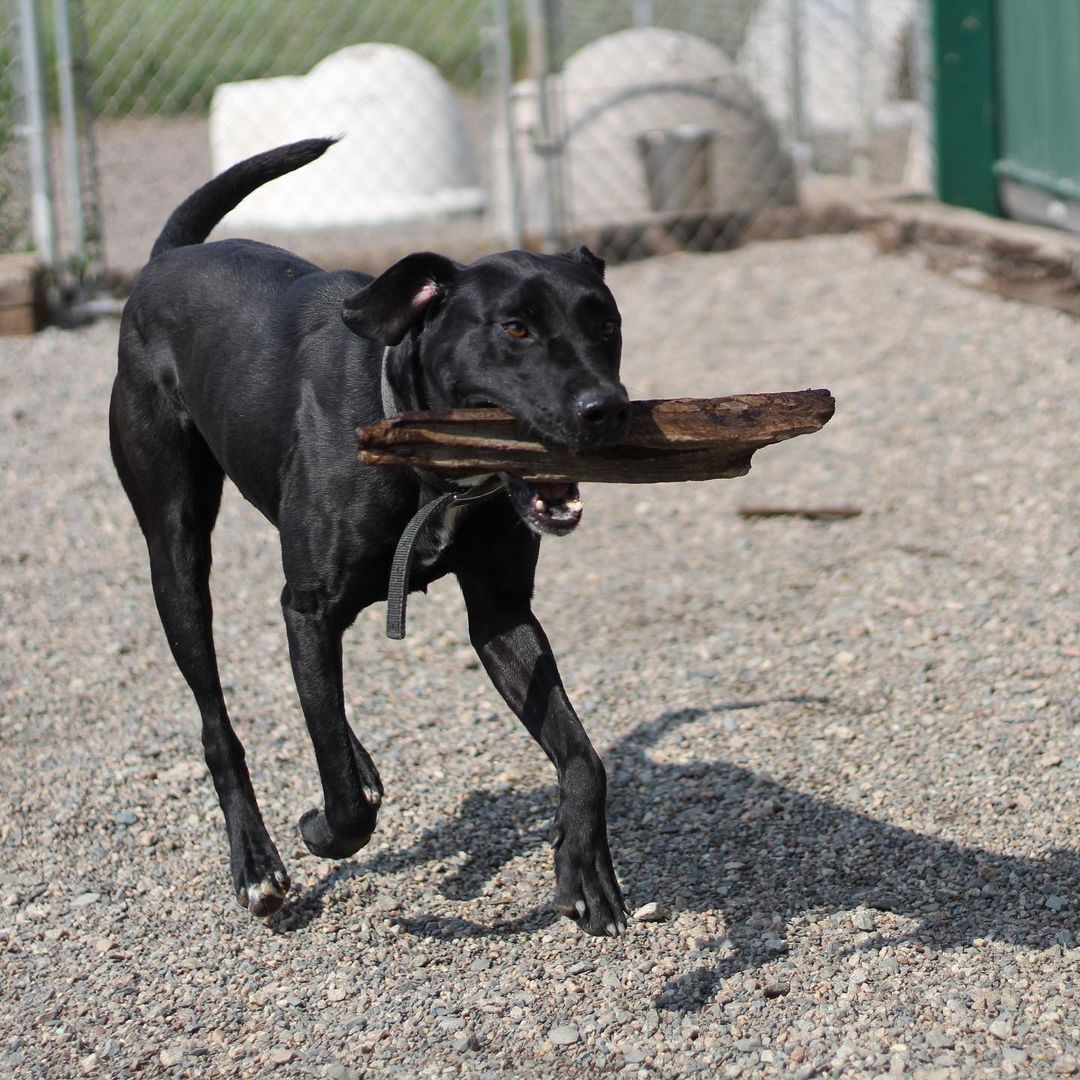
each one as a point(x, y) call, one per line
point(239, 358)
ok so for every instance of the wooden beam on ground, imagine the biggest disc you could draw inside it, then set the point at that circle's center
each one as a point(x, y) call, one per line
point(22, 297)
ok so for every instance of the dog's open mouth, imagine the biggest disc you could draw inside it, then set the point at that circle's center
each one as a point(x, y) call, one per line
point(548, 508)
point(553, 509)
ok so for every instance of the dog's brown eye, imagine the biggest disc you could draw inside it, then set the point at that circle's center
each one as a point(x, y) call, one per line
point(608, 328)
point(516, 329)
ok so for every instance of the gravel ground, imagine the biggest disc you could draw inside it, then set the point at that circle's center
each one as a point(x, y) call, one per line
point(844, 757)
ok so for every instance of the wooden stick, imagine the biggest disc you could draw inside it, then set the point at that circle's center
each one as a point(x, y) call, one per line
point(666, 440)
point(811, 513)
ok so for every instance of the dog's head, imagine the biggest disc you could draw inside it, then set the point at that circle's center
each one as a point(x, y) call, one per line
point(536, 335)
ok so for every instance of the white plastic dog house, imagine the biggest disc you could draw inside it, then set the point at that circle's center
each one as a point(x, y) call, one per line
point(405, 152)
point(618, 102)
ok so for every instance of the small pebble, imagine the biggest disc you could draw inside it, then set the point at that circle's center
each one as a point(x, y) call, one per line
point(652, 912)
point(564, 1035)
point(863, 920)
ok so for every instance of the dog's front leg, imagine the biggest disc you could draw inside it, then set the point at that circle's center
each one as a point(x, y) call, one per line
point(352, 790)
point(515, 653)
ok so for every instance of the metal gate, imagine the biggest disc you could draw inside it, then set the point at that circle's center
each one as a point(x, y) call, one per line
point(1038, 167)
point(1007, 88)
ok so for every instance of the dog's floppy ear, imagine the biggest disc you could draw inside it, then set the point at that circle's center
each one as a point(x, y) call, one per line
point(386, 308)
point(585, 257)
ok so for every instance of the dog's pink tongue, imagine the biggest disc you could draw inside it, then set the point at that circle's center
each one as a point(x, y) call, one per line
point(555, 492)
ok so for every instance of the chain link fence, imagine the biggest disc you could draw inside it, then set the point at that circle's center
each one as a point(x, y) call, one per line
point(637, 126)
point(15, 232)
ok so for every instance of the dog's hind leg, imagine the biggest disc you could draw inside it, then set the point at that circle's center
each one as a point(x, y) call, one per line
point(174, 484)
point(352, 789)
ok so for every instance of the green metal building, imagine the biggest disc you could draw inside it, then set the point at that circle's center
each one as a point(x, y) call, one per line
point(1008, 107)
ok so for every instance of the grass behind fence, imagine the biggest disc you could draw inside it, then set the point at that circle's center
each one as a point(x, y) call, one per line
point(723, 22)
point(166, 56)
point(13, 211)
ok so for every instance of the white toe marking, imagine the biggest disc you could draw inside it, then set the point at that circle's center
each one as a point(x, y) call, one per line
point(264, 889)
point(580, 905)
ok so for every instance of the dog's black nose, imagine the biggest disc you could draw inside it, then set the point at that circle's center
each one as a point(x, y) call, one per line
point(602, 415)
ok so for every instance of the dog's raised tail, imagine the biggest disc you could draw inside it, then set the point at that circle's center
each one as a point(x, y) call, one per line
point(192, 220)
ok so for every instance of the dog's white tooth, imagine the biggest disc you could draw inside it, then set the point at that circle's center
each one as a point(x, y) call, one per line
point(580, 905)
point(573, 505)
point(539, 505)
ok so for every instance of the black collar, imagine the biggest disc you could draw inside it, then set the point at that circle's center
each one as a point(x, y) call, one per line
point(451, 499)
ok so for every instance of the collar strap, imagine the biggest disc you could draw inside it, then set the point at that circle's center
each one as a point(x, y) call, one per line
point(390, 406)
point(445, 507)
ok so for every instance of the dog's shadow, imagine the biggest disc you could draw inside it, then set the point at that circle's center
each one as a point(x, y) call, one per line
point(724, 839)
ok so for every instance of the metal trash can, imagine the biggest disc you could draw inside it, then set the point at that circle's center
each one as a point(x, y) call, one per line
point(676, 164)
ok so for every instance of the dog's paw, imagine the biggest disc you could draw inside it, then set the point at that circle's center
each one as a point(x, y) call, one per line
point(263, 898)
point(323, 841)
point(586, 889)
point(259, 878)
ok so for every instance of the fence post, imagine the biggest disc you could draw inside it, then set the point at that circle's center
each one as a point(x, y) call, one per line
point(69, 126)
point(546, 142)
point(800, 144)
point(504, 90)
point(35, 132)
point(862, 163)
point(922, 165)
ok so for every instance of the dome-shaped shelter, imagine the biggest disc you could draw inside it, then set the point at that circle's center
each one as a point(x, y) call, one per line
point(637, 112)
point(405, 152)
